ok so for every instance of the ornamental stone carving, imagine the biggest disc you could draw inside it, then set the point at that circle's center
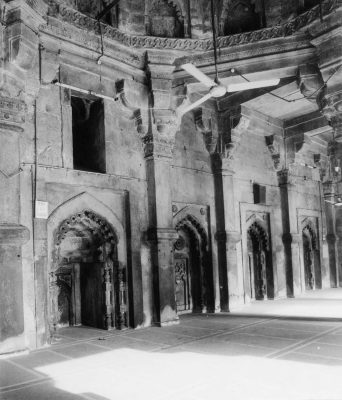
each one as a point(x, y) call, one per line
point(287, 29)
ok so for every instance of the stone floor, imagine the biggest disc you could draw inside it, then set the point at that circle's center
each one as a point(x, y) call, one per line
point(243, 355)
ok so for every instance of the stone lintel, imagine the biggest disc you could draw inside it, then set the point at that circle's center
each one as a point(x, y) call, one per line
point(306, 123)
point(13, 235)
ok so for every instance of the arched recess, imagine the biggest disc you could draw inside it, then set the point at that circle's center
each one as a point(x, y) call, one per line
point(193, 267)
point(260, 282)
point(311, 256)
point(166, 19)
point(240, 16)
point(87, 265)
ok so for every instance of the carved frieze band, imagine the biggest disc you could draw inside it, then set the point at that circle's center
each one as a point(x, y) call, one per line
point(76, 18)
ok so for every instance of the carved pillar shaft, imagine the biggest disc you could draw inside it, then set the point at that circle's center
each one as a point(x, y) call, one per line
point(121, 299)
point(158, 155)
point(339, 261)
point(221, 231)
point(290, 235)
point(232, 236)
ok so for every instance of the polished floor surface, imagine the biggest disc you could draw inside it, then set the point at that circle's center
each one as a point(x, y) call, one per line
point(258, 352)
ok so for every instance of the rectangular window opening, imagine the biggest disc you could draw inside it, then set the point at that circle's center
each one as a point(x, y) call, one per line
point(88, 134)
point(259, 194)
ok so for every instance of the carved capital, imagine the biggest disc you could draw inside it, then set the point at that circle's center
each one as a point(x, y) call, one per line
point(321, 165)
point(235, 137)
point(311, 83)
point(333, 173)
point(331, 107)
point(158, 235)
point(160, 139)
point(284, 177)
point(232, 239)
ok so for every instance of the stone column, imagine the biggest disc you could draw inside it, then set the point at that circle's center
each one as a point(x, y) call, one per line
point(221, 142)
point(329, 195)
point(332, 110)
point(291, 237)
point(159, 142)
point(227, 235)
point(158, 154)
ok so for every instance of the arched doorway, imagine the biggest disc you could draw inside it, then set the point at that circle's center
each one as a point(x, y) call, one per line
point(311, 257)
point(260, 271)
point(193, 271)
point(87, 284)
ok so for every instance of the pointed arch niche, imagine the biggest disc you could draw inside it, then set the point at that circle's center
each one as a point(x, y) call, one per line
point(194, 286)
point(260, 277)
point(311, 267)
point(87, 262)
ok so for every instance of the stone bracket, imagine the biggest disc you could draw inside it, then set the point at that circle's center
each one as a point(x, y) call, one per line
point(274, 149)
point(135, 112)
point(203, 125)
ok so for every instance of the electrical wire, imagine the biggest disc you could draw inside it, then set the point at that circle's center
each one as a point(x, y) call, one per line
point(301, 98)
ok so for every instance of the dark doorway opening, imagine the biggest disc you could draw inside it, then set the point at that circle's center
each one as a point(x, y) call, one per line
point(260, 270)
point(312, 261)
point(193, 271)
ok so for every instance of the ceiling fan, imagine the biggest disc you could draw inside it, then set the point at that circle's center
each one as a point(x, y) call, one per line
point(216, 88)
point(337, 203)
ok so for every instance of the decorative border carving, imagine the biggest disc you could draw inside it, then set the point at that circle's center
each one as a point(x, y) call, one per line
point(83, 216)
point(76, 18)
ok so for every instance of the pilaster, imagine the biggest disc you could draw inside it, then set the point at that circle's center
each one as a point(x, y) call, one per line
point(158, 145)
point(221, 143)
point(291, 237)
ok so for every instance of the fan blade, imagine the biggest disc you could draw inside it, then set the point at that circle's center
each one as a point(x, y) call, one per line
point(237, 87)
point(329, 201)
point(183, 111)
point(199, 75)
